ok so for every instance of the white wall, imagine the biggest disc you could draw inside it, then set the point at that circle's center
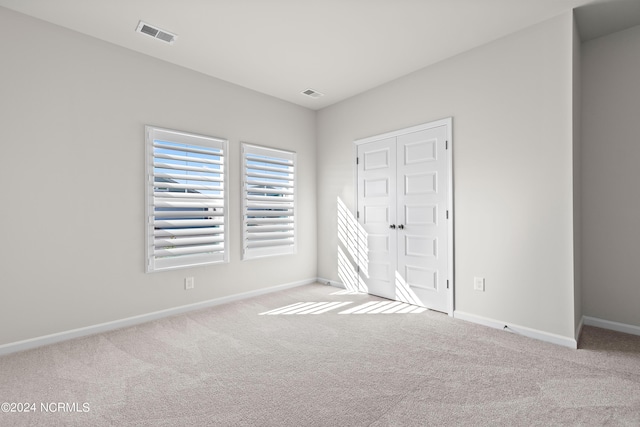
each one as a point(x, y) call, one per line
point(73, 112)
point(611, 177)
point(511, 102)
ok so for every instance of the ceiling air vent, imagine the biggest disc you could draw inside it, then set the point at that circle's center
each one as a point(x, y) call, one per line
point(156, 32)
point(312, 93)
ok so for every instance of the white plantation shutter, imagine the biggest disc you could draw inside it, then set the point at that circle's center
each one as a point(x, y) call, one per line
point(269, 217)
point(186, 199)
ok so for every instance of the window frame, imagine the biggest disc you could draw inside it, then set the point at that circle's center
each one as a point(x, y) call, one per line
point(249, 253)
point(193, 141)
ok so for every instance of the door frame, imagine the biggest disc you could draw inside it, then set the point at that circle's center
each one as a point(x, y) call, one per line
point(448, 122)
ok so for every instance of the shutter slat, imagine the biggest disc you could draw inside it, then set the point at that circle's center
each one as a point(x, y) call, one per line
point(288, 177)
point(186, 241)
point(189, 250)
point(195, 196)
point(164, 203)
point(177, 223)
point(254, 213)
point(267, 243)
point(187, 214)
point(283, 170)
point(199, 231)
point(187, 186)
point(259, 221)
point(187, 168)
point(268, 192)
point(189, 177)
point(269, 184)
point(267, 205)
point(270, 198)
point(262, 228)
point(268, 228)
point(269, 236)
point(187, 159)
point(269, 160)
point(189, 149)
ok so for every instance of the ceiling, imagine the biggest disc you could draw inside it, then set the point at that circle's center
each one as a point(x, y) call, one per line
point(282, 47)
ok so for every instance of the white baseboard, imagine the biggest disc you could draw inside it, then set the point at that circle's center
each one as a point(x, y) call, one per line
point(608, 324)
point(521, 330)
point(143, 318)
point(330, 282)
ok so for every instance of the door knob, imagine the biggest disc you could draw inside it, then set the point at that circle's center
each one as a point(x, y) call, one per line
point(392, 226)
point(401, 227)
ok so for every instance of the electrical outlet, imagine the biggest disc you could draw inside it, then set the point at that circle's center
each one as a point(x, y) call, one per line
point(478, 284)
point(189, 283)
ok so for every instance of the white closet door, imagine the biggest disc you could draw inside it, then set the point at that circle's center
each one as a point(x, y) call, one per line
point(376, 212)
point(421, 212)
point(403, 202)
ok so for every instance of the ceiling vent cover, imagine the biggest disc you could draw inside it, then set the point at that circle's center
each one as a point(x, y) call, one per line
point(156, 32)
point(312, 93)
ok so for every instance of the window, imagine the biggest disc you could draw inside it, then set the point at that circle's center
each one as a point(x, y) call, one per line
point(268, 208)
point(186, 199)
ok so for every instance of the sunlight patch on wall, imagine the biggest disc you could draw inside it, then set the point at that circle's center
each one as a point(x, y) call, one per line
point(353, 260)
point(348, 274)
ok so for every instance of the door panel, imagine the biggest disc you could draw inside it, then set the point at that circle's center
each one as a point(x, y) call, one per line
point(421, 278)
point(376, 187)
point(420, 151)
point(376, 215)
point(378, 158)
point(420, 215)
point(419, 183)
point(420, 246)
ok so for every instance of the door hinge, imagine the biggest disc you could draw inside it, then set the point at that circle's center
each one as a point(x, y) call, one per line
point(358, 214)
point(447, 214)
point(446, 145)
point(358, 269)
point(447, 284)
point(357, 160)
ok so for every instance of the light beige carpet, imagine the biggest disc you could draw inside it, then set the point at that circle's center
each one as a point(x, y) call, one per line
point(231, 366)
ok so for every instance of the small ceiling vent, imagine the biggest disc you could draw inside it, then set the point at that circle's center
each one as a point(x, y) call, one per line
point(156, 32)
point(312, 93)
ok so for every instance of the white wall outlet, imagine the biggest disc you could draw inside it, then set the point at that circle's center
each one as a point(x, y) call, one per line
point(478, 284)
point(189, 283)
